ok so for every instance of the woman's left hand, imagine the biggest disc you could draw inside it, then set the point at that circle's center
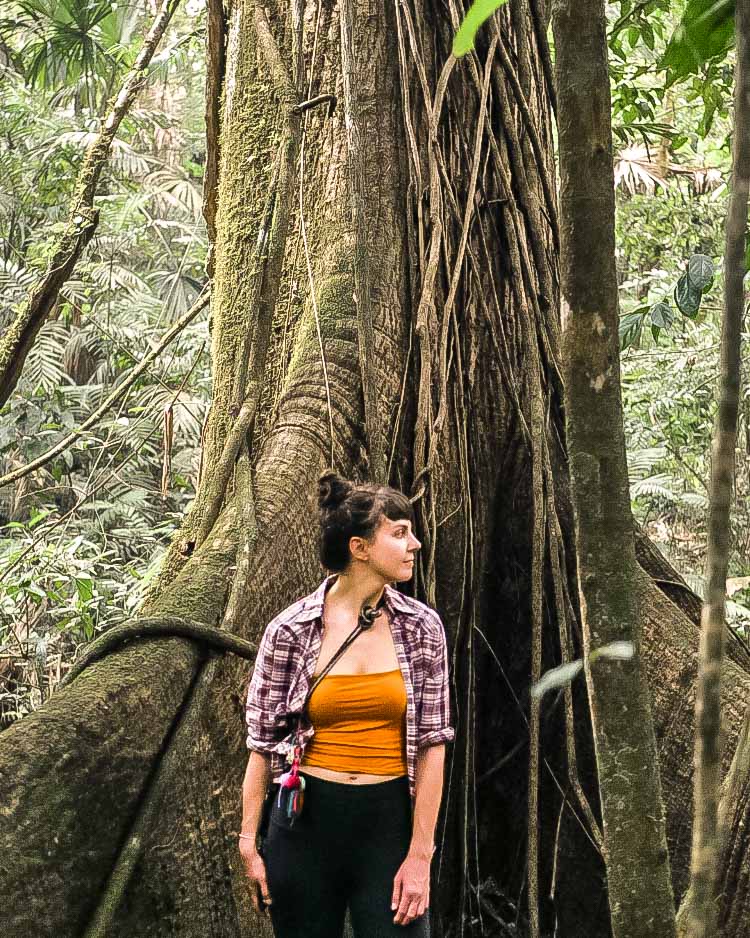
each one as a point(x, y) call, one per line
point(411, 890)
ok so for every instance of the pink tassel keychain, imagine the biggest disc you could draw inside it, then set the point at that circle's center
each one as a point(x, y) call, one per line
point(292, 789)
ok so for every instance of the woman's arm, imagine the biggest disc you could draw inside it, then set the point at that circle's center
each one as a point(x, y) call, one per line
point(257, 775)
point(428, 794)
point(411, 886)
point(254, 786)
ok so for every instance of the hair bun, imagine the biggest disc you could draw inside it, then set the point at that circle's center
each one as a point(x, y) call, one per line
point(332, 490)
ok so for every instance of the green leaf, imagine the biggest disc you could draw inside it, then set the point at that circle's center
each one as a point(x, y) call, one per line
point(477, 13)
point(700, 272)
point(706, 31)
point(38, 516)
point(630, 328)
point(687, 297)
point(85, 590)
point(661, 315)
point(35, 590)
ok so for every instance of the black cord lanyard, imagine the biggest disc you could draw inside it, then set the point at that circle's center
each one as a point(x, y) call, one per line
point(367, 617)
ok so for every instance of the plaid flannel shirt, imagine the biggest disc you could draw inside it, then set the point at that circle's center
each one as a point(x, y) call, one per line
point(286, 660)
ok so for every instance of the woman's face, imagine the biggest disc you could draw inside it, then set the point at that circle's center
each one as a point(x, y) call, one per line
point(392, 550)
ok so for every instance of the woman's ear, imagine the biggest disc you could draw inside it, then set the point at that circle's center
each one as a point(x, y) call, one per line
point(358, 547)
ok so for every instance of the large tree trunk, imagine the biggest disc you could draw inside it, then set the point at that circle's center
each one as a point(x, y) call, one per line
point(125, 786)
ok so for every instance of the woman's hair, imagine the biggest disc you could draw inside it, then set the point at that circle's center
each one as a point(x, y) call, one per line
point(349, 510)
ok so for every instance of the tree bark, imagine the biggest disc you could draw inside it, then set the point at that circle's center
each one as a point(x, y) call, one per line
point(463, 294)
point(638, 876)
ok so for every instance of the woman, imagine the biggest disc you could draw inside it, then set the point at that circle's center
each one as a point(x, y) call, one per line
point(373, 733)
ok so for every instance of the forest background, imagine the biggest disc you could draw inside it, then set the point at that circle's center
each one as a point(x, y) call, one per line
point(84, 537)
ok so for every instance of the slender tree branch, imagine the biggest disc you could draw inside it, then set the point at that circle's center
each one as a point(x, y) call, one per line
point(215, 66)
point(118, 391)
point(99, 485)
point(701, 912)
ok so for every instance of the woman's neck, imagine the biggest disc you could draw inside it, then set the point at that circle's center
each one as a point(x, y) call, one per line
point(350, 593)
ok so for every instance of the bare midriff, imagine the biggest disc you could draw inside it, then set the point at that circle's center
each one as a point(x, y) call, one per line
point(346, 777)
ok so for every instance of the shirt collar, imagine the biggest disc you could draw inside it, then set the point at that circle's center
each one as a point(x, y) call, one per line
point(395, 602)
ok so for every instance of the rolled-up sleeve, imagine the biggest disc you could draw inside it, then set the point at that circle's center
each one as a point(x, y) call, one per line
point(265, 709)
point(434, 719)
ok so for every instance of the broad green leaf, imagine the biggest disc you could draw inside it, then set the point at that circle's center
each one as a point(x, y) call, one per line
point(477, 13)
point(85, 589)
point(563, 674)
point(706, 31)
point(700, 272)
point(661, 315)
point(687, 297)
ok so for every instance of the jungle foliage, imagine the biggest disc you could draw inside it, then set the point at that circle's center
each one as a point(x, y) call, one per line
point(86, 533)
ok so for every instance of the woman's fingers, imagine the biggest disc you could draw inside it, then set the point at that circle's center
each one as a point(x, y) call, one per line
point(396, 895)
point(260, 895)
point(411, 913)
point(254, 898)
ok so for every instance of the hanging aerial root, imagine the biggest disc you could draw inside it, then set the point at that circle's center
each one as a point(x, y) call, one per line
point(156, 627)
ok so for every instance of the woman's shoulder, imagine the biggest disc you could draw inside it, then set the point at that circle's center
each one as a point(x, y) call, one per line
point(292, 620)
point(426, 619)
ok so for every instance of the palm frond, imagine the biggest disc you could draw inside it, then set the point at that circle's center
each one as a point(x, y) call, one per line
point(659, 485)
point(45, 363)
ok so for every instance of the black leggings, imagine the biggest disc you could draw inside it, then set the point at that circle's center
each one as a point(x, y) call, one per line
point(343, 851)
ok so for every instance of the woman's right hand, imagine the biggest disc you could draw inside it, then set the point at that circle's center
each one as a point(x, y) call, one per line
point(255, 870)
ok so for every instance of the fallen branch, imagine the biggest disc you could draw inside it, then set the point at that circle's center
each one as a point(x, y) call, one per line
point(83, 219)
point(93, 418)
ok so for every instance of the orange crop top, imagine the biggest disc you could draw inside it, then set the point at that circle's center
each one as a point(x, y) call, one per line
point(360, 724)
